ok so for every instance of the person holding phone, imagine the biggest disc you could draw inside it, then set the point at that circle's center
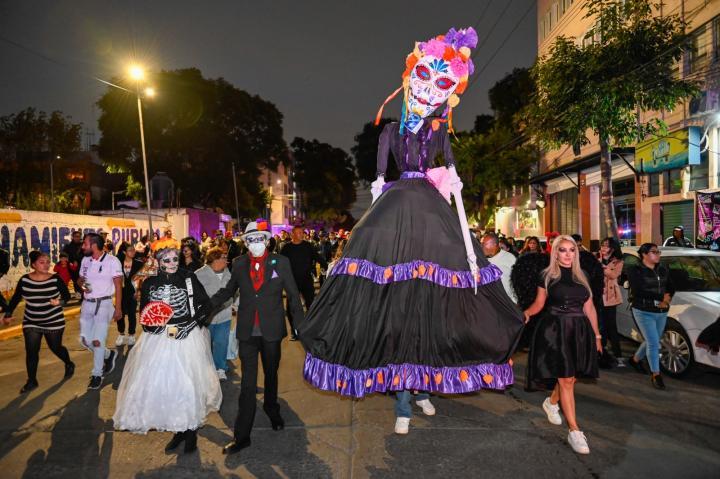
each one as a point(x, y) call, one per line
point(563, 347)
point(44, 294)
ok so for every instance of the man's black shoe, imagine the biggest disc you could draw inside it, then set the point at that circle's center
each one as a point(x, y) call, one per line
point(177, 438)
point(95, 382)
point(236, 446)
point(110, 363)
point(636, 365)
point(29, 386)
point(69, 369)
point(190, 441)
point(657, 382)
point(277, 422)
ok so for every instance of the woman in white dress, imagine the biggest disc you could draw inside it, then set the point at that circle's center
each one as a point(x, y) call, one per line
point(169, 381)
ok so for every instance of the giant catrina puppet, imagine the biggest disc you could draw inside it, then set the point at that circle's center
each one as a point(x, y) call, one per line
point(412, 303)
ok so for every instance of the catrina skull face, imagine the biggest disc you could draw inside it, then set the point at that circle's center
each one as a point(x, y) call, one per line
point(432, 81)
point(169, 261)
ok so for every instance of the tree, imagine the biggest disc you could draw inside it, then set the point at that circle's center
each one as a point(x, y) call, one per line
point(29, 141)
point(600, 87)
point(365, 152)
point(194, 130)
point(510, 95)
point(326, 177)
point(483, 123)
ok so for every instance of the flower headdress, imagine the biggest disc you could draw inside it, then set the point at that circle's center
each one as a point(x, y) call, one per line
point(454, 49)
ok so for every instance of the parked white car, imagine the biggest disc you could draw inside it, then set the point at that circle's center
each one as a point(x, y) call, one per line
point(696, 304)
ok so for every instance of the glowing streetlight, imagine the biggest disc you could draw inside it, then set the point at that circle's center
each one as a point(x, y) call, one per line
point(137, 72)
point(149, 92)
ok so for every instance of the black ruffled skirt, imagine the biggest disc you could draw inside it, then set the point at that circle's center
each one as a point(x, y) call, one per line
point(562, 346)
point(399, 310)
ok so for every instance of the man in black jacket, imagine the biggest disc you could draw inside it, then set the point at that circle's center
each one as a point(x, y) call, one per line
point(302, 256)
point(260, 277)
point(75, 257)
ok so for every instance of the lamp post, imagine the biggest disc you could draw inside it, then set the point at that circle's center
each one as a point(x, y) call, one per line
point(137, 73)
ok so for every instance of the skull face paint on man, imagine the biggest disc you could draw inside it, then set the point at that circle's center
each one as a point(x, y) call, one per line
point(168, 260)
point(256, 244)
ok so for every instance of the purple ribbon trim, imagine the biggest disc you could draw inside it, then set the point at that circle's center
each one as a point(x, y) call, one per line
point(397, 377)
point(415, 270)
point(404, 176)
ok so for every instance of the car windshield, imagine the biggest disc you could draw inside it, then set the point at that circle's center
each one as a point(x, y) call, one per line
point(694, 273)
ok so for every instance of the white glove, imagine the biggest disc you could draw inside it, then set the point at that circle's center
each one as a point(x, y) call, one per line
point(376, 188)
point(455, 181)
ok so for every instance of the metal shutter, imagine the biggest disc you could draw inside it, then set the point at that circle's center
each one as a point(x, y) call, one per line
point(680, 213)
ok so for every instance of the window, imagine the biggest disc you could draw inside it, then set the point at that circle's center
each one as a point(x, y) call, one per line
point(693, 273)
point(653, 184)
point(565, 211)
point(673, 181)
point(716, 38)
point(699, 174)
point(555, 12)
point(624, 187)
point(698, 52)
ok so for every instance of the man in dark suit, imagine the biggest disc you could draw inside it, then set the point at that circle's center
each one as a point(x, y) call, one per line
point(260, 277)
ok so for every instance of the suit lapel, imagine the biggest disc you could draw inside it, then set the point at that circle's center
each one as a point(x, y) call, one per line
point(269, 269)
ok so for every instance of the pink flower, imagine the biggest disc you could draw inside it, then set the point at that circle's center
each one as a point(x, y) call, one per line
point(458, 67)
point(434, 48)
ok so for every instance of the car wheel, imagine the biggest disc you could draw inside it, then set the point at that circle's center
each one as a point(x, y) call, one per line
point(676, 354)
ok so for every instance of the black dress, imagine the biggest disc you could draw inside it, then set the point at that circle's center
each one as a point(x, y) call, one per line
point(398, 310)
point(563, 345)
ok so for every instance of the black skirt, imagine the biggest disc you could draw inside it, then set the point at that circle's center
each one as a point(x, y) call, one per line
point(399, 310)
point(562, 346)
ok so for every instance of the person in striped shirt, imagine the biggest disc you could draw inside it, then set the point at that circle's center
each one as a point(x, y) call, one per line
point(44, 294)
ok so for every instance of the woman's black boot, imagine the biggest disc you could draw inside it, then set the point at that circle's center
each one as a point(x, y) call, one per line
point(190, 441)
point(177, 438)
point(29, 386)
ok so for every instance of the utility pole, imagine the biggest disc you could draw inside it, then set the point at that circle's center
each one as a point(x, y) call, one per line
point(237, 206)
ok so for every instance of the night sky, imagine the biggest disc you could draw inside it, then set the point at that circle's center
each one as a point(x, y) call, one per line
point(326, 65)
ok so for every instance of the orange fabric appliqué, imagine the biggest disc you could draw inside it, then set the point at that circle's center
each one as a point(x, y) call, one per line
point(352, 268)
point(438, 378)
point(464, 375)
point(422, 270)
point(488, 378)
point(368, 382)
point(396, 380)
point(388, 272)
point(380, 378)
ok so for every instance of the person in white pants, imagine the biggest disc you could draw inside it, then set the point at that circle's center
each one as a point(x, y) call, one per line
point(101, 279)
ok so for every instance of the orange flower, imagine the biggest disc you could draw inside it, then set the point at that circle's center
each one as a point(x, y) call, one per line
point(410, 61)
point(380, 378)
point(396, 380)
point(430, 270)
point(464, 375)
point(352, 268)
point(461, 87)
point(449, 53)
point(388, 272)
point(454, 280)
point(422, 270)
point(368, 383)
point(488, 378)
point(426, 379)
point(438, 378)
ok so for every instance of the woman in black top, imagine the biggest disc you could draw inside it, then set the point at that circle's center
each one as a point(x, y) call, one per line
point(190, 259)
point(130, 267)
point(44, 294)
point(652, 290)
point(563, 347)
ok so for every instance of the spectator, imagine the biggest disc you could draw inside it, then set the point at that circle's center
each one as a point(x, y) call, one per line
point(44, 294)
point(532, 245)
point(65, 269)
point(4, 268)
point(233, 248)
point(109, 247)
point(75, 257)
point(302, 256)
point(500, 258)
point(214, 276)
point(131, 266)
point(678, 239)
point(612, 263)
point(142, 248)
point(190, 258)
point(652, 290)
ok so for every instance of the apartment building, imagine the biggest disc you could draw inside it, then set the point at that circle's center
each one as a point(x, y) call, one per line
point(655, 182)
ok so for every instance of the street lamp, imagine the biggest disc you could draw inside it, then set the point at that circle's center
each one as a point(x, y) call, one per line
point(137, 73)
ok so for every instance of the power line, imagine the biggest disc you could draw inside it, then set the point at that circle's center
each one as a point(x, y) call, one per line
point(492, 29)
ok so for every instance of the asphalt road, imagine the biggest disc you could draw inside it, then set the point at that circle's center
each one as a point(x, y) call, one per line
point(63, 430)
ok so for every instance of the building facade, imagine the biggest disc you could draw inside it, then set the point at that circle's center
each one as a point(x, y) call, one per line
point(656, 181)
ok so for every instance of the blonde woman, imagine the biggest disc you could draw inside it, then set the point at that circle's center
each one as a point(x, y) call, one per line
point(563, 347)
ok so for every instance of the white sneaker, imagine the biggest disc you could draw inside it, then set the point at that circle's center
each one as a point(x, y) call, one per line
point(578, 442)
point(427, 408)
point(131, 341)
point(120, 340)
point(402, 425)
point(221, 374)
point(552, 411)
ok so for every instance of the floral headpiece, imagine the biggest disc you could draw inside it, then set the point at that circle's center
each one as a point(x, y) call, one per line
point(451, 53)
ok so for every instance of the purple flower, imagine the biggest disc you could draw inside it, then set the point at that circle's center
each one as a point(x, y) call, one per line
point(462, 38)
point(471, 66)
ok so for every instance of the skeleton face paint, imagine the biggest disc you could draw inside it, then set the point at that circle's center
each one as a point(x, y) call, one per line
point(168, 261)
point(432, 81)
point(256, 244)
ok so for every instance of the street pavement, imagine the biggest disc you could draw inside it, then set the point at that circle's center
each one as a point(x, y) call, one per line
point(63, 430)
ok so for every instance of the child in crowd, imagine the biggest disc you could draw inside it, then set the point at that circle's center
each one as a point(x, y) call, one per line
point(65, 269)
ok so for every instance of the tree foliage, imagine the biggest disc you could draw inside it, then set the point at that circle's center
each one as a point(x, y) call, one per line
point(326, 177)
point(365, 152)
point(510, 95)
point(600, 87)
point(29, 141)
point(194, 130)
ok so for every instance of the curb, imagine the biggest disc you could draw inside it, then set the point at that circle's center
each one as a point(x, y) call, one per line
point(15, 331)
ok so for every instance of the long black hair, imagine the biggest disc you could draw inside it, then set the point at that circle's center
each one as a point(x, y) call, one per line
point(614, 246)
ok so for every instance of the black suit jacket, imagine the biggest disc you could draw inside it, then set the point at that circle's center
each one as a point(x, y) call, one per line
point(267, 301)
